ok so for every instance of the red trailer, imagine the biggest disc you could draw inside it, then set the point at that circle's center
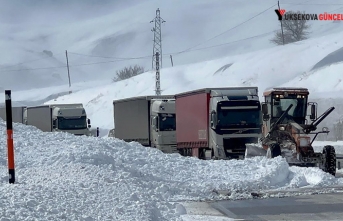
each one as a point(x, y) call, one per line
point(197, 119)
point(192, 117)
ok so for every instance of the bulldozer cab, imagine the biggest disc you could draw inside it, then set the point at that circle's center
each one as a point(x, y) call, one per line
point(278, 100)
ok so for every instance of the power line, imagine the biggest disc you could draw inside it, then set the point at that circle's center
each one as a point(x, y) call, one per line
point(336, 9)
point(119, 59)
point(149, 56)
point(180, 52)
point(168, 54)
point(228, 29)
point(26, 62)
point(307, 4)
point(124, 59)
point(31, 69)
point(227, 43)
point(64, 66)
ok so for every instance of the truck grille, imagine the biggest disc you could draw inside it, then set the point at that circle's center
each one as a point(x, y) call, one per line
point(234, 145)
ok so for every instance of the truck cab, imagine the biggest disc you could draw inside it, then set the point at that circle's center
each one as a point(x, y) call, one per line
point(163, 125)
point(71, 119)
point(218, 123)
point(277, 100)
point(235, 120)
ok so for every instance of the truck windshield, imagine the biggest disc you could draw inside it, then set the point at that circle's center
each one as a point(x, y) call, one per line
point(228, 118)
point(167, 122)
point(72, 123)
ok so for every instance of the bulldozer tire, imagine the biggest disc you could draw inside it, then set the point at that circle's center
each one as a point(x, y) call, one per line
point(329, 156)
point(275, 150)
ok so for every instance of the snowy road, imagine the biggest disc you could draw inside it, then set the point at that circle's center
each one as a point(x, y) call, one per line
point(305, 207)
point(326, 206)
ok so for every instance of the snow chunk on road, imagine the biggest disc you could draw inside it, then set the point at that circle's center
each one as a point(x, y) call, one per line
point(61, 176)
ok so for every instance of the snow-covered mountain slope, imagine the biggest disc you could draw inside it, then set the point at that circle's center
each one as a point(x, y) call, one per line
point(321, 81)
point(63, 177)
point(288, 65)
point(35, 36)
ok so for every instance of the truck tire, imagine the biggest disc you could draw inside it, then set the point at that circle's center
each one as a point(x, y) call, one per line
point(202, 153)
point(329, 160)
point(213, 156)
point(275, 150)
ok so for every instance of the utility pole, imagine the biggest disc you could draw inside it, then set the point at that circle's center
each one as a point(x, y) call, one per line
point(171, 59)
point(157, 39)
point(68, 72)
point(283, 38)
point(157, 82)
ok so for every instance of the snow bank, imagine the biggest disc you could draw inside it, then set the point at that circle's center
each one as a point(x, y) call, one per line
point(61, 176)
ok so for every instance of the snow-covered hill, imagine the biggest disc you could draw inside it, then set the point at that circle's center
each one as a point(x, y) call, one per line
point(97, 33)
point(289, 65)
point(63, 177)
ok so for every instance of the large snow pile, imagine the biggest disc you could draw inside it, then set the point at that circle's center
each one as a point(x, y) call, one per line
point(64, 177)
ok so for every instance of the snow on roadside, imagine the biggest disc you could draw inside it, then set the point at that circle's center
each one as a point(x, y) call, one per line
point(64, 177)
point(319, 145)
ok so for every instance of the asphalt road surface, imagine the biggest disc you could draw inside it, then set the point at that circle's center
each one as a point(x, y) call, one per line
point(327, 206)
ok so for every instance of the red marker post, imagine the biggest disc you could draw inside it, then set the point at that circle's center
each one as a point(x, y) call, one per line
point(9, 125)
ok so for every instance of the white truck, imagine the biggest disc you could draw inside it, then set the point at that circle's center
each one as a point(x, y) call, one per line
point(17, 113)
point(71, 118)
point(149, 120)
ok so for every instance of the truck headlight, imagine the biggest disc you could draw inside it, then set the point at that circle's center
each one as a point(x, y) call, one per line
point(304, 141)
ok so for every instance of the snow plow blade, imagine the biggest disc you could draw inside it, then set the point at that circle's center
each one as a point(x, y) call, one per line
point(254, 151)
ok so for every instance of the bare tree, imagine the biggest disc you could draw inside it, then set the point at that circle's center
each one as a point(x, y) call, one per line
point(128, 72)
point(293, 29)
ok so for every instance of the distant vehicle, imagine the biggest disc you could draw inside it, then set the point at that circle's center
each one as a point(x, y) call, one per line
point(17, 114)
point(218, 123)
point(148, 120)
point(69, 118)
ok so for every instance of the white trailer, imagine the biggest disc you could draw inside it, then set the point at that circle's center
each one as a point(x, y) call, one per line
point(71, 118)
point(17, 114)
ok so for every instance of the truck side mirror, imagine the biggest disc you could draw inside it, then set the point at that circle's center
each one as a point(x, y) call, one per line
point(154, 123)
point(89, 121)
point(214, 120)
point(54, 122)
point(265, 112)
point(313, 112)
point(264, 109)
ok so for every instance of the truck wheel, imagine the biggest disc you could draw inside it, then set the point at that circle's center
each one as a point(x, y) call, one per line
point(202, 153)
point(329, 160)
point(213, 157)
point(275, 150)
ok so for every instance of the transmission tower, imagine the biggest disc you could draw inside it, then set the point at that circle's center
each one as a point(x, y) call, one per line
point(157, 49)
